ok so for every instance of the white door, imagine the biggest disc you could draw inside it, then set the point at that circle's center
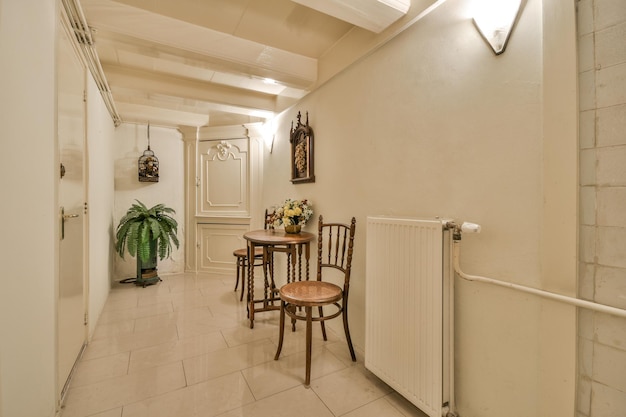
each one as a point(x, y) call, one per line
point(223, 204)
point(71, 305)
point(224, 186)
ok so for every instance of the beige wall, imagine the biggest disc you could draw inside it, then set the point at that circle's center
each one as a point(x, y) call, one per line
point(28, 178)
point(130, 142)
point(434, 124)
point(100, 131)
point(558, 244)
point(602, 338)
point(29, 175)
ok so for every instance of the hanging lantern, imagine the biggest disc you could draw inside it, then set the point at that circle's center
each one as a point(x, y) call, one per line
point(148, 164)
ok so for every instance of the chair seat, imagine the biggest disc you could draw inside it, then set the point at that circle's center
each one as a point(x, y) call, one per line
point(244, 252)
point(310, 293)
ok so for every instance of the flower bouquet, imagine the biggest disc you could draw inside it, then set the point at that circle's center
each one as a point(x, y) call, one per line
point(293, 214)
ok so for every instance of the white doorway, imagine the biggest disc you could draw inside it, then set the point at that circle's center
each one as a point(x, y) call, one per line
point(71, 301)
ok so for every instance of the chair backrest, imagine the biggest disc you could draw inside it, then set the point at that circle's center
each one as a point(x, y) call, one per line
point(268, 222)
point(335, 244)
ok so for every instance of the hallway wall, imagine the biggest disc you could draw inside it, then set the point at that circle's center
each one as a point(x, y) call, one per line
point(100, 133)
point(28, 180)
point(602, 338)
point(130, 142)
point(434, 124)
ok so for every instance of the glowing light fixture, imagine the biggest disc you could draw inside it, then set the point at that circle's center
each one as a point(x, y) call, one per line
point(268, 130)
point(495, 19)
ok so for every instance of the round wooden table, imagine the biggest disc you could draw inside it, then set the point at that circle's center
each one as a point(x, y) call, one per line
point(274, 240)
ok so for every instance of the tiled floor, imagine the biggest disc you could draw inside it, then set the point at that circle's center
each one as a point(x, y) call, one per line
point(184, 348)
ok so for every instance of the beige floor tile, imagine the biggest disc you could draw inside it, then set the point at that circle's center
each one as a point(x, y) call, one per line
point(176, 351)
point(196, 281)
point(137, 291)
point(144, 300)
point(116, 392)
point(226, 361)
point(156, 322)
point(294, 342)
point(349, 389)
point(189, 326)
point(110, 346)
point(190, 299)
point(342, 352)
point(120, 301)
point(297, 401)
point(184, 348)
point(273, 377)
point(111, 316)
point(404, 406)
point(206, 399)
point(228, 304)
point(115, 412)
point(118, 328)
point(220, 286)
point(196, 313)
point(243, 334)
point(100, 369)
point(377, 408)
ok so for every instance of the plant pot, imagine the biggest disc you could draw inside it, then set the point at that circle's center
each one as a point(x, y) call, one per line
point(293, 228)
point(147, 273)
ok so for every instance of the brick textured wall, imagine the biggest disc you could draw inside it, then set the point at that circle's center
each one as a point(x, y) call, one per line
point(602, 272)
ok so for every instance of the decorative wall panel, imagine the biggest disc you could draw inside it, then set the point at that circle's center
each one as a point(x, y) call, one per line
point(223, 183)
point(216, 244)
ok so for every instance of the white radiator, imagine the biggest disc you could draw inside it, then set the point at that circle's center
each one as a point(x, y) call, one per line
point(407, 292)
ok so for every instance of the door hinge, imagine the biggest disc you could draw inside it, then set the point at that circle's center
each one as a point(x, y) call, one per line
point(84, 96)
point(85, 208)
point(86, 319)
point(197, 181)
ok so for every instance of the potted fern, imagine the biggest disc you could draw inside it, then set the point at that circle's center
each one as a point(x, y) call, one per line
point(147, 233)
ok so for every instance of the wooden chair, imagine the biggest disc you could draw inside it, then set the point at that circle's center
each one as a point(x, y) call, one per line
point(335, 245)
point(241, 256)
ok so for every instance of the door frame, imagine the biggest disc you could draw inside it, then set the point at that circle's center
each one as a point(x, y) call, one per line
point(62, 388)
point(253, 218)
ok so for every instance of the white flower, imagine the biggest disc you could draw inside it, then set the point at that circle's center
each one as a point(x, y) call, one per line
point(292, 212)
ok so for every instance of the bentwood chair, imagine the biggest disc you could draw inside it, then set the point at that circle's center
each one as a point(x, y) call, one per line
point(335, 245)
point(241, 256)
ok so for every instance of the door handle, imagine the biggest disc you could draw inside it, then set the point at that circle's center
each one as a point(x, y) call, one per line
point(63, 218)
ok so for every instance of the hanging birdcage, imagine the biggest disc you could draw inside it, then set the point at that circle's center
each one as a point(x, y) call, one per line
point(148, 164)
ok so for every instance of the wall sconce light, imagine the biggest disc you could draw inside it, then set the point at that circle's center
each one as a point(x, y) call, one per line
point(269, 134)
point(495, 19)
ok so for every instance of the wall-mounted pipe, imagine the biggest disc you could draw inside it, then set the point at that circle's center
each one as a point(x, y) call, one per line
point(542, 293)
point(76, 22)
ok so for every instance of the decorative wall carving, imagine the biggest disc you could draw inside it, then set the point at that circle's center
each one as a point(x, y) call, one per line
point(301, 138)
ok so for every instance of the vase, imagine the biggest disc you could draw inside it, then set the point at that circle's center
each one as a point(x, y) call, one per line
point(293, 228)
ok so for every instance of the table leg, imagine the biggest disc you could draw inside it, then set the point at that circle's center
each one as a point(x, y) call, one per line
point(299, 254)
point(266, 284)
point(251, 282)
point(307, 255)
point(294, 261)
point(268, 261)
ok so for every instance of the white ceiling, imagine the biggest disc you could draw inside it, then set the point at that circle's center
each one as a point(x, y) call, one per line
point(210, 62)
